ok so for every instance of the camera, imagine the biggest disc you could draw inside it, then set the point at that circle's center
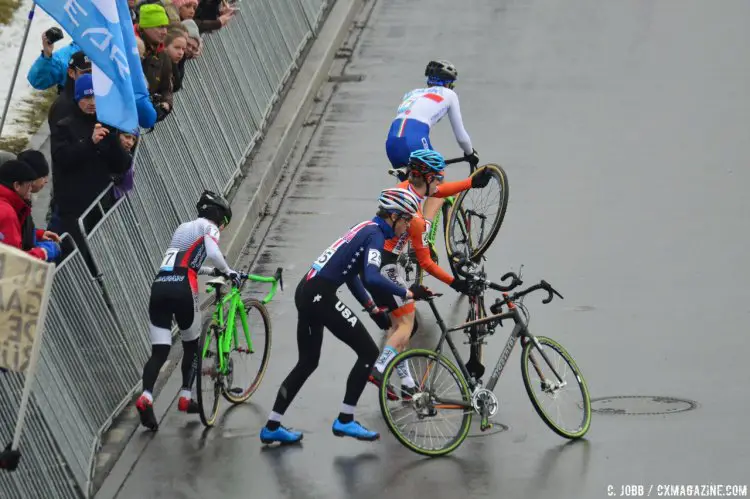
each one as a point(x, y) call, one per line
point(54, 35)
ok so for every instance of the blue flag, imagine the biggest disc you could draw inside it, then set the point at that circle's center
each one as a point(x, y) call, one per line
point(104, 31)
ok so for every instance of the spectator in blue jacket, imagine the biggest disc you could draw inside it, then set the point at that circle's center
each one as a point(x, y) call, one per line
point(51, 68)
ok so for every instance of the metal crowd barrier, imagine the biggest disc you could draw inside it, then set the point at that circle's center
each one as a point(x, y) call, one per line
point(96, 339)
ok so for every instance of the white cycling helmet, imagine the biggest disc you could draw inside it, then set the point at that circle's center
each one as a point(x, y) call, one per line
point(398, 200)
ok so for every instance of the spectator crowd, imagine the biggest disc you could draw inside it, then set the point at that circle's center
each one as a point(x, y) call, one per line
point(88, 156)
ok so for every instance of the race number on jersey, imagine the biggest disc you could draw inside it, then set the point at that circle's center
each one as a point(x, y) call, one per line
point(374, 258)
point(169, 258)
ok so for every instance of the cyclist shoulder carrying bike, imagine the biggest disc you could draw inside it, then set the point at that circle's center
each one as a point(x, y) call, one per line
point(359, 251)
point(425, 180)
point(174, 294)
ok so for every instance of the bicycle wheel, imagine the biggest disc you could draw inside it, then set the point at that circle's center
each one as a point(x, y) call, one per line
point(477, 215)
point(542, 377)
point(248, 360)
point(209, 383)
point(435, 378)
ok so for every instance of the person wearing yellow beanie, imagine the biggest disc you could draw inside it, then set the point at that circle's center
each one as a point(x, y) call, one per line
point(157, 67)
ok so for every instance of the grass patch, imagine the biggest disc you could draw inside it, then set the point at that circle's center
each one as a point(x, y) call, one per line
point(34, 113)
point(7, 9)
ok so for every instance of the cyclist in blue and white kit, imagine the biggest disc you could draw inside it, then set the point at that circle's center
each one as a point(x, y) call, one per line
point(359, 251)
point(419, 111)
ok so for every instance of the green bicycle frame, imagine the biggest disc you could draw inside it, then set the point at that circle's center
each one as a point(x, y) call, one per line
point(225, 341)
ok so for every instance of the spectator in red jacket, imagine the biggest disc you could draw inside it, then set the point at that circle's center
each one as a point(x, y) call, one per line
point(16, 181)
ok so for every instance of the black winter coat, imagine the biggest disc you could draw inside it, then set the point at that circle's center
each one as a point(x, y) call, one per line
point(81, 170)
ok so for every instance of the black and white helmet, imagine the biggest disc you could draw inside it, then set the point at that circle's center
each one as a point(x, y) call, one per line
point(398, 200)
point(441, 71)
point(214, 207)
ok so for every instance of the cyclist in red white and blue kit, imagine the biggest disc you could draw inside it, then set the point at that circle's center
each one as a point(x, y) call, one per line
point(419, 111)
point(358, 252)
point(174, 294)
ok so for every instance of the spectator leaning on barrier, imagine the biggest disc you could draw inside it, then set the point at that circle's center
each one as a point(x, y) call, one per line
point(212, 15)
point(176, 43)
point(85, 156)
point(31, 237)
point(65, 103)
point(16, 178)
point(195, 42)
point(152, 29)
point(51, 68)
point(124, 182)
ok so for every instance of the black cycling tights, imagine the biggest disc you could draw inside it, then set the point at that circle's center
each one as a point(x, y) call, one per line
point(319, 307)
point(159, 354)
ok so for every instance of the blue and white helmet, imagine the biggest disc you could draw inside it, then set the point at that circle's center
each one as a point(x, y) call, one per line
point(398, 200)
point(427, 161)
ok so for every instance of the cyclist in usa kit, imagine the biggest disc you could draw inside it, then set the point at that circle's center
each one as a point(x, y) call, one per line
point(174, 293)
point(418, 112)
point(425, 180)
point(359, 251)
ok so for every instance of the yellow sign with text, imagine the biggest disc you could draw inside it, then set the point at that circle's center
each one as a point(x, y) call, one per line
point(22, 293)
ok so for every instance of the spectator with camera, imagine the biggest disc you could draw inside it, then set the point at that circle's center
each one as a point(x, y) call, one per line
point(85, 156)
point(51, 68)
point(65, 103)
point(157, 67)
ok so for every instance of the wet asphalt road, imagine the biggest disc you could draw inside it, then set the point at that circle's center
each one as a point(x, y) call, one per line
point(623, 127)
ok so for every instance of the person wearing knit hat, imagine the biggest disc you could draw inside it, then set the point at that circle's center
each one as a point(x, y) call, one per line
point(15, 187)
point(186, 8)
point(152, 16)
point(195, 42)
point(38, 163)
point(157, 67)
point(31, 237)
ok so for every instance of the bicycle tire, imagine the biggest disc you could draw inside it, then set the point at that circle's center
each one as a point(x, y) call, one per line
point(250, 303)
point(477, 250)
point(586, 421)
point(465, 395)
point(208, 410)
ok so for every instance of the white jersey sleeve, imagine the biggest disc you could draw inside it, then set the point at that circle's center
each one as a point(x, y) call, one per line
point(213, 252)
point(457, 123)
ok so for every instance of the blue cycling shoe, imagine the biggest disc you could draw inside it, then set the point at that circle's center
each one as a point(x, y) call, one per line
point(354, 430)
point(281, 435)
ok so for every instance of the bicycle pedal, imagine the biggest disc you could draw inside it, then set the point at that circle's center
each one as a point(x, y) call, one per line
point(486, 427)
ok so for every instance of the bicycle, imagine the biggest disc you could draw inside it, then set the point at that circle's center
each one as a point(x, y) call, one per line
point(429, 402)
point(221, 339)
point(459, 222)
